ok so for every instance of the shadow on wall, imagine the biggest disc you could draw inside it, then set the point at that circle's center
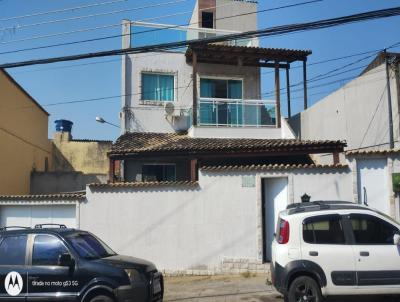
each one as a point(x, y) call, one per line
point(59, 161)
point(60, 182)
point(295, 124)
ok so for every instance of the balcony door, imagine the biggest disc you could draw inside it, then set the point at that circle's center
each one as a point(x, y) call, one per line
point(220, 102)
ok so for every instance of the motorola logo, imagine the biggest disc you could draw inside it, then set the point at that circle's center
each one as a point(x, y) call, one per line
point(13, 283)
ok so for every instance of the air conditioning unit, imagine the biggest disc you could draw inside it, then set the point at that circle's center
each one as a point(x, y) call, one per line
point(171, 110)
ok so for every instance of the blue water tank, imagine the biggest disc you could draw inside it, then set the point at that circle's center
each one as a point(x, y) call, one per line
point(63, 125)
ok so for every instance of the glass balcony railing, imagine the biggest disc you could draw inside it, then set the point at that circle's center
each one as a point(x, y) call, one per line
point(236, 113)
point(144, 33)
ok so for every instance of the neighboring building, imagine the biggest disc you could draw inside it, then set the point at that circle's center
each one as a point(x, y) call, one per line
point(29, 210)
point(359, 113)
point(75, 163)
point(24, 144)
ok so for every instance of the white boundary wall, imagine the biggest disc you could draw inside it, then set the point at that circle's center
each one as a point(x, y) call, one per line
point(197, 229)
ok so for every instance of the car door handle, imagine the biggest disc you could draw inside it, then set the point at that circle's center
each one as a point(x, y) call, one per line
point(313, 253)
point(364, 254)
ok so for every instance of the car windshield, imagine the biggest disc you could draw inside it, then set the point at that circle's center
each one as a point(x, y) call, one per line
point(88, 246)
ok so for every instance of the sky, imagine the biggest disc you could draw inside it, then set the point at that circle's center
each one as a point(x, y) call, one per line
point(101, 77)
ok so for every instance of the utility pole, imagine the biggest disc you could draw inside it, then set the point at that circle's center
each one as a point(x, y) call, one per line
point(391, 139)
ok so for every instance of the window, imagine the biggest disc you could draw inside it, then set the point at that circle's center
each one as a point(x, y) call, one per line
point(13, 250)
point(46, 250)
point(158, 173)
point(370, 230)
point(89, 247)
point(207, 19)
point(157, 87)
point(222, 89)
point(323, 230)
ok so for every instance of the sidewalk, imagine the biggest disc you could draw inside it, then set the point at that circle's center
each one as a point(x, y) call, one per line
point(248, 288)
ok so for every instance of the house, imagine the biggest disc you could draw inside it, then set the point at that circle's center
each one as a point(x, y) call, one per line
point(24, 144)
point(204, 164)
point(364, 113)
point(75, 163)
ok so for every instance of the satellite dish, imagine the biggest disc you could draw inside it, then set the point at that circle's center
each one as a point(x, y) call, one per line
point(169, 108)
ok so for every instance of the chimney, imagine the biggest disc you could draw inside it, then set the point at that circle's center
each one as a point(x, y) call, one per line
point(63, 131)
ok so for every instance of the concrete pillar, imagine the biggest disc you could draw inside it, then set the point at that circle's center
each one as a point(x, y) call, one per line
point(126, 78)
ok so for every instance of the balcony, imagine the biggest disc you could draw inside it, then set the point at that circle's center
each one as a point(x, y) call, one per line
point(216, 112)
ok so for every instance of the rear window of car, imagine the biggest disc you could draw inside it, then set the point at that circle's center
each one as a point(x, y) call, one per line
point(327, 229)
point(13, 250)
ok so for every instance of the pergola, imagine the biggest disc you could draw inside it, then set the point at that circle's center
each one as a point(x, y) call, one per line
point(249, 56)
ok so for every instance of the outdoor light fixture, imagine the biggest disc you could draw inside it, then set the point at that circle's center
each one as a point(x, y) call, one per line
point(100, 120)
point(305, 198)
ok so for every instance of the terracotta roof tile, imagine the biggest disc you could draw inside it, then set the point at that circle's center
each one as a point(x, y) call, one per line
point(272, 167)
point(139, 143)
point(373, 152)
point(60, 196)
point(144, 184)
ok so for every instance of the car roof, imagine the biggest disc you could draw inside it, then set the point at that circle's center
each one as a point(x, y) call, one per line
point(323, 205)
point(23, 231)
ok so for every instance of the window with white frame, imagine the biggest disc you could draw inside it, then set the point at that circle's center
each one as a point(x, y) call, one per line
point(158, 87)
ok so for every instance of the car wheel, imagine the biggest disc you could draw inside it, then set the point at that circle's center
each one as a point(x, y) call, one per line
point(304, 289)
point(101, 299)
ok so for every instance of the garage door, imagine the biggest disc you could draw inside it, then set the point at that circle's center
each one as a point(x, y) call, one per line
point(31, 215)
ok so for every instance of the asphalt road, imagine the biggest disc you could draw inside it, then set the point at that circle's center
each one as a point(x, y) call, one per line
point(235, 288)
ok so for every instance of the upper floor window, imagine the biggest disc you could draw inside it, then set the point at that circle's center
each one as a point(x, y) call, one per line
point(158, 87)
point(221, 88)
point(207, 19)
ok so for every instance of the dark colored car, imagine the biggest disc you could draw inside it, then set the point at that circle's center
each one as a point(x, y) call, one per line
point(54, 263)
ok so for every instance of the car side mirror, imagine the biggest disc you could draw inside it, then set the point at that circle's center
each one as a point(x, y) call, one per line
point(66, 260)
point(396, 239)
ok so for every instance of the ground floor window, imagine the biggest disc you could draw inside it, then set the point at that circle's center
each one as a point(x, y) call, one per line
point(159, 172)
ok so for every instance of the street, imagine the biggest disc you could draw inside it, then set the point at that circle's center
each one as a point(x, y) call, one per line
point(245, 288)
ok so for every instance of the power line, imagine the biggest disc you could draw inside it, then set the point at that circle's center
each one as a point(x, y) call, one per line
point(158, 29)
point(109, 25)
point(161, 108)
point(19, 27)
point(333, 72)
point(63, 10)
point(250, 34)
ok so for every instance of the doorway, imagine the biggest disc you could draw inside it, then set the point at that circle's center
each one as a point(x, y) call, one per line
point(373, 185)
point(275, 199)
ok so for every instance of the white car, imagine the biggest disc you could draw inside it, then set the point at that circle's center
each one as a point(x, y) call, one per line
point(333, 248)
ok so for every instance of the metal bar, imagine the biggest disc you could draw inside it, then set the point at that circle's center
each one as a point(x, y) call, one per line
point(391, 139)
point(194, 79)
point(288, 93)
point(305, 84)
point(277, 95)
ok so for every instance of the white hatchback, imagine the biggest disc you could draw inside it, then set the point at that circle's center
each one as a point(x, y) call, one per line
point(332, 248)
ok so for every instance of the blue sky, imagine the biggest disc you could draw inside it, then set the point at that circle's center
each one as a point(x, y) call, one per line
point(71, 81)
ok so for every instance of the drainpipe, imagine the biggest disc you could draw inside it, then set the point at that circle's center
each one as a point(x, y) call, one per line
point(391, 140)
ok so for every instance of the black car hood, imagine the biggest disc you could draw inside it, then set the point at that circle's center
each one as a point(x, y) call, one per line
point(129, 262)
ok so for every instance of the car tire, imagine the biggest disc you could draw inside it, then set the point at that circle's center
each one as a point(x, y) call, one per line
point(102, 298)
point(304, 289)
